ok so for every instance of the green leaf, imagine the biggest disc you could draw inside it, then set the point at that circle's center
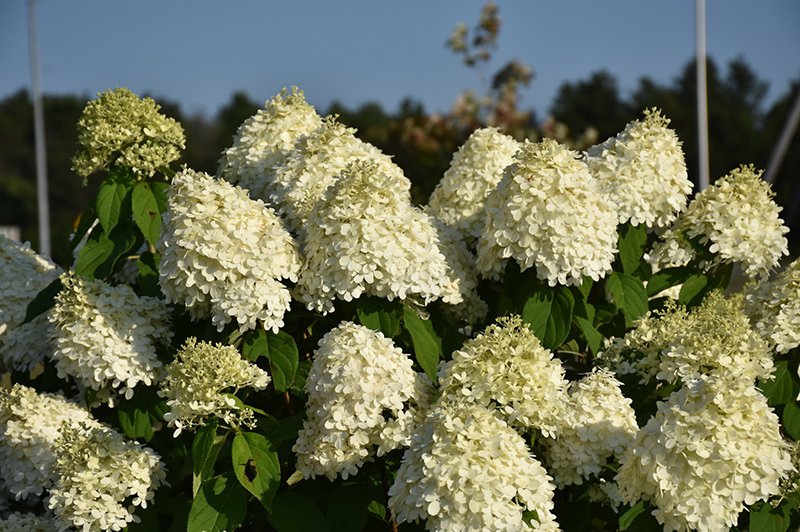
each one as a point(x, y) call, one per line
point(294, 512)
point(380, 315)
point(146, 212)
point(113, 197)
point(101, 252)
point(88, 217)
point(638, 518)
point(281, 351)
point(427, 344)
point(791, 420)
point(627, 518)
point(667, 278)
point(148, 274)
point(348, 508)
point(592, 335)
point(256, 466)
point(138, 414)
point(780, 390)
point(205, 449)
point(548, 311)
point(632, 245)
point(694, 290)
point(629, 295)
point(765, 518)
point(220, 505)
point(44, 300)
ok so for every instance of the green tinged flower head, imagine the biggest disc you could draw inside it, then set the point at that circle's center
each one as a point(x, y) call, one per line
point(197, 380)
point(774, 308)
point(120, 129)
point(506, 369)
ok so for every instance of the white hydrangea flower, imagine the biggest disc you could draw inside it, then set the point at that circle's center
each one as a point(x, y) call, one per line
point(304, 175)
point(199, 381)
point(102, 477)
point(505, 369)
point(773, 307)
point(224, 254)
point(29, 429)
point(547, 213)
point(27, 522)
point(738, 218)
point(118, 128)
point(639, 351)
point(264, 140)
point(712, 447)
point(23, 274)
point(643, 172)
point(474, 171)
point(106, 336)
point(366, 238)
point(599, 422)
point(468, 471)
point(363, 399)
point(704, 347)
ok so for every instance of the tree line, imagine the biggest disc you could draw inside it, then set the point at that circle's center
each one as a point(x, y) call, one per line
point(742, 129)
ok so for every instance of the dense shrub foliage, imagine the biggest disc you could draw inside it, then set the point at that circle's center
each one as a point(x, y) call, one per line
point(554, 342)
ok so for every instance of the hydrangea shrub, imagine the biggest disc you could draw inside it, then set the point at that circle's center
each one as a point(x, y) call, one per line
point(552, 343)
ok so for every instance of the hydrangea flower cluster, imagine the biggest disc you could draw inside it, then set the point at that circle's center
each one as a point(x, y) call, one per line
point(102, 477)
point(106, 336)
point(264, 140)
point(363, 399)
point(467, 470)
point(506, 370)
point(599, 422)
point(224, 254)
point(643, 172)
point(118, 128)
point(304, 175)
point(712, 447)
point(703, 347)
point(29, 429)
point(366, 238)
point(23, 274)
point(27, 522)
point(738, 218)
point(547, 213)
point(773, 307)
point(476, 168)
point(199, 382)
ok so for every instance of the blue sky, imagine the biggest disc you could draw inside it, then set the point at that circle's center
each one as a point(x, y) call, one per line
point(198, 52)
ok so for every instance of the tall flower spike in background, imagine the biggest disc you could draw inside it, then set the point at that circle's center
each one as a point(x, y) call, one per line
point(643, 172)
point(23, 274)
point(119, 129)
point(224, 254)
point(363, 400)
point(474, 171)
point(467, 470)
point(547, 213)
point(264, 140)
point(196, 383)
point(106, 336)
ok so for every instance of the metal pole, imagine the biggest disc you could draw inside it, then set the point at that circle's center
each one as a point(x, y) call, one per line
point(783, 143)
point(38, 123)
point(702, 98)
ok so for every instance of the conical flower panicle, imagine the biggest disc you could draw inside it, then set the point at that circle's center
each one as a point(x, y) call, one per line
point(547, 213)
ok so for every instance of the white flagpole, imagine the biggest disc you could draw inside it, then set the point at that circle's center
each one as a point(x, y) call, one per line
point(38, 123)
point(702, 98)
